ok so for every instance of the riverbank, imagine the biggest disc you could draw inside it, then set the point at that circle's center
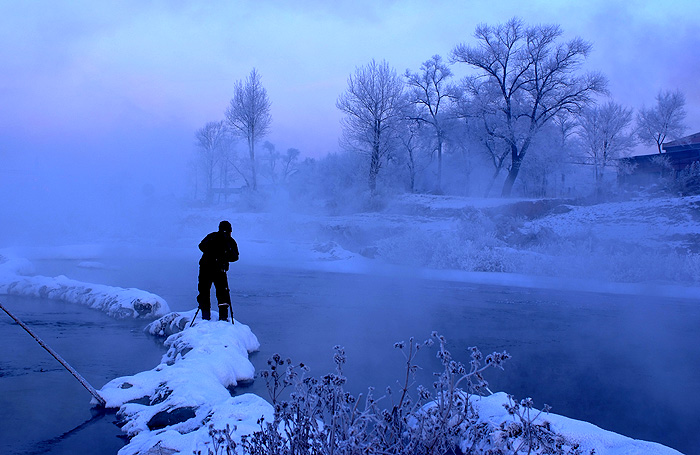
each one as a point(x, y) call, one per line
point(174, 407)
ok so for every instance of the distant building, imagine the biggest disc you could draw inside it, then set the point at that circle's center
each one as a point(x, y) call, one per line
point(680, 154)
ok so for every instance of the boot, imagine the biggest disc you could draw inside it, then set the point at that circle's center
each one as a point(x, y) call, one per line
point(223, 312)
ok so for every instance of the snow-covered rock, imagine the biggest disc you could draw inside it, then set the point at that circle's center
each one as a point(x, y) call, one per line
point(171, 407)
point(171, 323)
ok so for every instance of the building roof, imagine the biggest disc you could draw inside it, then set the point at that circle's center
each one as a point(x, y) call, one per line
point(687, 142)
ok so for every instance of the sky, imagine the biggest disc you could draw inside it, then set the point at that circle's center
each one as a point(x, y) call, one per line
point(119, 88)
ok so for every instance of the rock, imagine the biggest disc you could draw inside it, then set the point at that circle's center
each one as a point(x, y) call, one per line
point(170, 417)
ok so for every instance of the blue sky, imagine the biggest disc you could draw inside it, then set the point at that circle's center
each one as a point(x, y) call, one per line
point(127, 83)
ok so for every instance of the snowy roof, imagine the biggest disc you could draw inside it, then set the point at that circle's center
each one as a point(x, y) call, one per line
point(692, 141)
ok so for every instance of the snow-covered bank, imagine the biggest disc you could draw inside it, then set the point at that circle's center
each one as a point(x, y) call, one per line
point(171, 407)
point(331, 257)
point(15, 279)
point(590, 438)
point(641, 240)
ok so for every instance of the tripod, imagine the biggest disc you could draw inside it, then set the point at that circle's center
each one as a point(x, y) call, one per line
point(230, 309)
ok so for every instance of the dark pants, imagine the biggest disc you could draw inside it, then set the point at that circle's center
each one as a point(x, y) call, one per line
point(218, 277)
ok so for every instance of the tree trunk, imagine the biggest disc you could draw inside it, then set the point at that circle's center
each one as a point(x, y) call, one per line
point(372, 182)
point(493, 180)
point(439, 175)
point(517, 160)
point(374, 166)
point(253, 178)
point(516, 157)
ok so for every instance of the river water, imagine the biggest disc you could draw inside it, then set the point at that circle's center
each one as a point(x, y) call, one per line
point(625, 363)
point(43, 409)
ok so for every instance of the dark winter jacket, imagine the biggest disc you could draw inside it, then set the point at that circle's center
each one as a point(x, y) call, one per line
point(218, 249)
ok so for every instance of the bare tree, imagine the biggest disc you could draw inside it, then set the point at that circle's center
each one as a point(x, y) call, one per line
point(431, 92)
point(249, 115)
point(411, 141)
point(289, 164)
point(269, 160)
point(605, 134)
point(481, 119)
point(210, 140)
point(663, 121)
point(531, 79)
point(372, 105)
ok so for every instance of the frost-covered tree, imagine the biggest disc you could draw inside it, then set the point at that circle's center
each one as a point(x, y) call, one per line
point(210, 141)
point(278, 167)
point(530, 78)
point(663, 121)
point(544, 173)
point(479, 117)
point(605, 135)
point(412, 154)
point(248, 115)
point(373, 106)
point(431, 92)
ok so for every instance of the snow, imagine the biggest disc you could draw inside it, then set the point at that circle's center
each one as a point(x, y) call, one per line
point(115, 301)
point(590, 437)
point(194, 377)
point(654, 222)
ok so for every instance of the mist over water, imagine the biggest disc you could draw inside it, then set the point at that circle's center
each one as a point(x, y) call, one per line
point(57, 200)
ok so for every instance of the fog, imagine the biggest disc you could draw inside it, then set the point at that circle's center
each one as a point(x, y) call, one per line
point(84, 190)
point(100, 103)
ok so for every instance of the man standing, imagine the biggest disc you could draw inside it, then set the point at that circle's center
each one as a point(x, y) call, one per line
point(218, 249)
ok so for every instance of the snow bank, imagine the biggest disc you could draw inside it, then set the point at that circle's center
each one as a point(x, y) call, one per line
point(491, 410)
point(115, 301)
point(171, 407)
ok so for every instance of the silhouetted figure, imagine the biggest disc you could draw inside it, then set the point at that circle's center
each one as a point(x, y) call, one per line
point(218, 249)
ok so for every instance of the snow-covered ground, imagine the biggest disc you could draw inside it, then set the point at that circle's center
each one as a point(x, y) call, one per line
point(640, 246)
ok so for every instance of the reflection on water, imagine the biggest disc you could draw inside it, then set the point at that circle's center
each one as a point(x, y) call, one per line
point(626, 363)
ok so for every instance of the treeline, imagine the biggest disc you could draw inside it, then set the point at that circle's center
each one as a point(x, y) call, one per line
point(526, 118)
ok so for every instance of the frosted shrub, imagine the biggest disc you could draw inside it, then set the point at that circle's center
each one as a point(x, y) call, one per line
point(321, 417)
point(687, 181)
point(525, 434)
point(435, 249)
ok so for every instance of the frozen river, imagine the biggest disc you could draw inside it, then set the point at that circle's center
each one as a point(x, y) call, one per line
point(626, 363)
